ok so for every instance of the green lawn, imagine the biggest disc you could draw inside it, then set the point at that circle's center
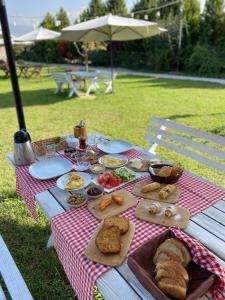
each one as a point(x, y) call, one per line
point(123, 115)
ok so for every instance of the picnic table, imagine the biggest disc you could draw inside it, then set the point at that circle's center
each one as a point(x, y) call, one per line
point(81, 75)
point(29, 70)
point(206, 225)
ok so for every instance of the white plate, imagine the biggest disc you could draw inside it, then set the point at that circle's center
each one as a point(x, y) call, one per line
point(114, 146)
point(62, 181)
point(95, 181)
point(118, 156)
point(50, 168)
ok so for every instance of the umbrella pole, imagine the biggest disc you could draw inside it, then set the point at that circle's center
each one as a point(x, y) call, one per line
point(111, 60)
point(11, 63)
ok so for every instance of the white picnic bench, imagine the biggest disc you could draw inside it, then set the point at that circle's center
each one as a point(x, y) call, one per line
point(207, 226)
point(12, 278)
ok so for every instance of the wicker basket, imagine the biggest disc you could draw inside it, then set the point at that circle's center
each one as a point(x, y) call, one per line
point(40, 146)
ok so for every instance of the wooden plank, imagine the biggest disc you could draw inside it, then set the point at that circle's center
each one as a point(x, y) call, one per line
point(126, 273)
point(2, 295)
point(61, 196)
point(215, 214)
point(213, 243)
point(192, 131)
point(220, 205)
point(211, 225)
point(187, 153)
point(48, 204)
point(11, 275)
point(189, 142)
point(113, 286)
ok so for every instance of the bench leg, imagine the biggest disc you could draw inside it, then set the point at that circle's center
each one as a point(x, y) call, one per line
point(73, 90)
point(109, 87)
point(50, 242)
point(91, 87)
point(58, 88)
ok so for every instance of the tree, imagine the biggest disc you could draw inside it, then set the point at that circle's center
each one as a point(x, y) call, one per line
point(145, 5)
point(48, 22)
point(96, 8)
point(63, 18)
point(192, 20)
point(117, 7)
point(212, 28)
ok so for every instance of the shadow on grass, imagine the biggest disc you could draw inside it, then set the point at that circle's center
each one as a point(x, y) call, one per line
point(152, 82)
point(175, 117)
point(35, 97)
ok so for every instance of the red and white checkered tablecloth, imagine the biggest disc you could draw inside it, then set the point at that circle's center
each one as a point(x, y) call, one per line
point(73, 229)
point(206, 260)
point(27, 186)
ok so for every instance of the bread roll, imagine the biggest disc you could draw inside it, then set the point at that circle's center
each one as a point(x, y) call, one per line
point(165, 171)
point(166, 191)
point(173, 287)
point(154, 208)
point(150, 187)
point(104, 203)
point(118, 199)
point(175, 170)
point(170, 211)
point(171, 269)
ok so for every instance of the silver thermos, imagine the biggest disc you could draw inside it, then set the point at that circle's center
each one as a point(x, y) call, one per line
point(23, 150)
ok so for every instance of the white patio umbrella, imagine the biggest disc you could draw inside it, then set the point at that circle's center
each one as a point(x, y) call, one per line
point(40, 34)
point(110, 28)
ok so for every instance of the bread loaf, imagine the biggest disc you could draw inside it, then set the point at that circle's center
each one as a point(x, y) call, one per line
point(150, 187)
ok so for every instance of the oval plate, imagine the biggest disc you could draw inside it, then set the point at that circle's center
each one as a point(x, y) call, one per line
point(116, 156)
point(114, 146)
point(62, 181)
point(50, 168)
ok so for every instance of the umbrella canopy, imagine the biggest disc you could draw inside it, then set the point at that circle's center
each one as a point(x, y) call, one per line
point(110, 28)
point(40, 34)
point(1, 34)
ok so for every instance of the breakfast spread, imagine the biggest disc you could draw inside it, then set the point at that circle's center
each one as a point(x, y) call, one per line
point(75, 181)
point(171, 258)
point(112, 162)
point(166, 191)
point(108, 238)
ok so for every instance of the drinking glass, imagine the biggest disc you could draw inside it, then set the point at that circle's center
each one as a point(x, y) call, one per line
point(50, 150)
point(81, 164)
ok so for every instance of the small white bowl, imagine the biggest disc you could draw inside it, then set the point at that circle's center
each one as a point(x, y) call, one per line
point(83, 193)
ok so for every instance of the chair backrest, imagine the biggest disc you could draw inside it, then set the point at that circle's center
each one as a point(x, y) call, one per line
point(61, 77)
point(182, 136)
point(106, 75)
point(13, 280)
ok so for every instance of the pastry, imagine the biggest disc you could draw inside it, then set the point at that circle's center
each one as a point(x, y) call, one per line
point(104, 203)
point(150, 187)
point(136, 163)
point(108, 240)
point(121, 222)
point(154, 208)
point(118, 199)
point(175, 247)
point(165, 171)
point(74, 181)
point(166, 191)
point(175, 170)
point(170, 211)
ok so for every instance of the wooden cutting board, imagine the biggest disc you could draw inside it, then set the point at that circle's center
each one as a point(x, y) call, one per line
point(112, 260)
point(114, 208)
point(180, 220)
point(154, 195)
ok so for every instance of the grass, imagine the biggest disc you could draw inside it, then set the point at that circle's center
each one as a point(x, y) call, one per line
point(123, 115)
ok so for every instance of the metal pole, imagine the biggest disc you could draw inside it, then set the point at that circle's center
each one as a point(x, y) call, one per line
point(111, 58)
point(180, 35)
point(11, 63)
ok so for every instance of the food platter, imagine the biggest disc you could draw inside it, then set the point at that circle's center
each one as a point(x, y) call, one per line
point(50, 168)
point(113, 160)
point(113, 187)
point(63, 180)
point(113, 146)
